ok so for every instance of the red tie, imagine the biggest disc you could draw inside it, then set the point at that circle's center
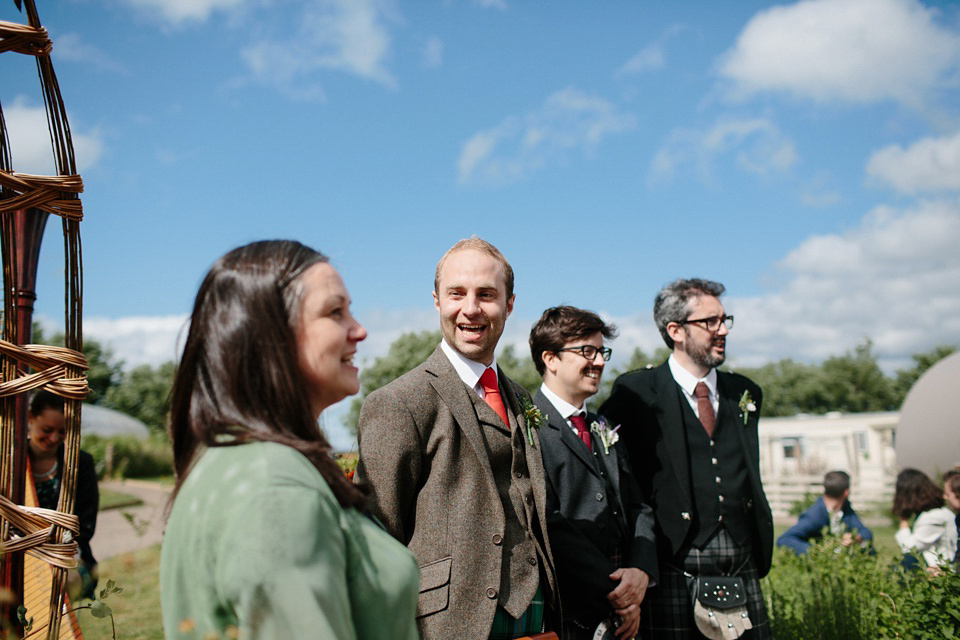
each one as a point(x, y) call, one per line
point(580, 423)
point(491, 393)
point(705, 408)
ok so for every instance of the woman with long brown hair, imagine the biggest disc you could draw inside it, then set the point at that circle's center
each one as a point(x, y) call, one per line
point(266, 536)
point(933, 533)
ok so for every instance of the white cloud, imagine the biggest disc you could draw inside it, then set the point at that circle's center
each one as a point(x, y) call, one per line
point(349, 36)
point(179, 12)
point(30, 140)
point(569, 120)
point(433, 53)
point(138, 340)
point(892, 279)
point(71, 47)
point(928, 165)
point(845, 50)
point(647, 59)
point(758, 146)
point(492, 4)
point(651, 57)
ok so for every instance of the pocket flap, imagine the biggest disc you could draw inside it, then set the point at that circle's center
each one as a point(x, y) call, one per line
point(435, 574)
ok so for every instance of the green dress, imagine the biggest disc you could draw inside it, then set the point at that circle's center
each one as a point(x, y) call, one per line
point(257, 544)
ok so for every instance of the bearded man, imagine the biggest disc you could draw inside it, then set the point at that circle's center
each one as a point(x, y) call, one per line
point(691, 434)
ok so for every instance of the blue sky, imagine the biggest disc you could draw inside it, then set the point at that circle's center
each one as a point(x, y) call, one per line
point(806, 154)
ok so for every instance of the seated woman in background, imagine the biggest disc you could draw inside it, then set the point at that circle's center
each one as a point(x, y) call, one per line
point(266, 536)
point(46, 434)
point(934, 533)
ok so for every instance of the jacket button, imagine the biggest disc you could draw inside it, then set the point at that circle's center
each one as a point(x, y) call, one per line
point(599, 497)
point(532, 561)
point(497, 539)
point(518, 474)
point(491, 593)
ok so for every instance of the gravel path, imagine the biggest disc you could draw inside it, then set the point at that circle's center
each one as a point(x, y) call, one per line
point(141, 527)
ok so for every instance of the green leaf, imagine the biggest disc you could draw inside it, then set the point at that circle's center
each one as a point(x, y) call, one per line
point(100, 609)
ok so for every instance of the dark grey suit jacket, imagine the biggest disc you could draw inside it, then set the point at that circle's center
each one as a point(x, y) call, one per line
point(586, 523)
point(646, 403)
point(422, 451)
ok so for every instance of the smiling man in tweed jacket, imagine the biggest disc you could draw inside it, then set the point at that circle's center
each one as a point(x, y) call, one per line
point(456, 470)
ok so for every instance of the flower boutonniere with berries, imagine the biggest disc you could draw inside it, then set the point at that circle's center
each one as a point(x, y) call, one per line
point(608, 437)
point(531, 415)
point(746, 406)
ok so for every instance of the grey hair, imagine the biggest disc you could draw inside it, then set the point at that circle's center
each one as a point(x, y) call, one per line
point(672, 303)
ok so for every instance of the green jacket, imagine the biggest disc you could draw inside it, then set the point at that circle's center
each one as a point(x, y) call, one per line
point(256, 543)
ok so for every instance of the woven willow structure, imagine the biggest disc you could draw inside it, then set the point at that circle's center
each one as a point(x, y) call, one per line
point(26, 201)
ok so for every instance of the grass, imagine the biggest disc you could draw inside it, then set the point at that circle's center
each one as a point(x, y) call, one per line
point(136, 610)
point(116, 500)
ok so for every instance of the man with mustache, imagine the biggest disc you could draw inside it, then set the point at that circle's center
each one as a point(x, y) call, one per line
point(600, 529)
point(455, 466)
point(691, 433)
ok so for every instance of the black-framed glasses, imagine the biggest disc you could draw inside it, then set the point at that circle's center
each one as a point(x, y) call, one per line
point(590, 352)
point(712, 323)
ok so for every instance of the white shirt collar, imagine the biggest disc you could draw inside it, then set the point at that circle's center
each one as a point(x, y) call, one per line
point(468, 370)
point(688, 381)
point(565, 408)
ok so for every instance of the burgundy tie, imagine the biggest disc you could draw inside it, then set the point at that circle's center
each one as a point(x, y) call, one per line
point(578, 421)
point(491, 393)
point(705, 408)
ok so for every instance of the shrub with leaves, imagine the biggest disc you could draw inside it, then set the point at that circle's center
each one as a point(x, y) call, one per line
point(845, 593)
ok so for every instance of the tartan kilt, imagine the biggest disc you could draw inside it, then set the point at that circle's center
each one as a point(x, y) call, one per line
point(667, 610)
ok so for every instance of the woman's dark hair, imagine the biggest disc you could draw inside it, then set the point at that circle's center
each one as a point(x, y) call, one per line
point(43, 400)
point(915, 493)
point(239, 377)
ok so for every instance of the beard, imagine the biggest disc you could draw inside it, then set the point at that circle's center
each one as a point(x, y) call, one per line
point(703, 356)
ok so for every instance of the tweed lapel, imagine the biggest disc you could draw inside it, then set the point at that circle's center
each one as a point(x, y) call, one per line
point(667, 401)
point(455, 397)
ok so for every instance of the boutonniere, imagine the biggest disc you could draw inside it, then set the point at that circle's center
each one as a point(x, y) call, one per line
point(746, 406)
point(531, 415)
point(608, 437)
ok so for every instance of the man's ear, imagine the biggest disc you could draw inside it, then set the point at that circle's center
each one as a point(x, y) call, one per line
point(550, 361)
point(676, 332)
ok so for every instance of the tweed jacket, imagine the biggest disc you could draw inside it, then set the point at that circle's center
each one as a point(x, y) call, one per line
point(587, 523)
point(423, 453)
point(647, 405)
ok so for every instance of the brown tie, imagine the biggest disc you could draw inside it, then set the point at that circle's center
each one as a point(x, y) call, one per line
point(705, 408)
point(578, 421)
point(491, 393)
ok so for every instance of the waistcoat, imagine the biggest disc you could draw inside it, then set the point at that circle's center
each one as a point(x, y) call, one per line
point(718, 474)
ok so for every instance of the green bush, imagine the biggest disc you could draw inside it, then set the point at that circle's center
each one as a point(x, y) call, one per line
point(847, 594)
point(127, 457)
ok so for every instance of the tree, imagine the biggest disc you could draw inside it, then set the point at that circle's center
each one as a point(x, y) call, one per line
point(638, 360)
point(790, 388)
point(855, 383)
point(521, 370)
point(103, 373)
point(906, 378)
point(144, 393)
point(405, 353)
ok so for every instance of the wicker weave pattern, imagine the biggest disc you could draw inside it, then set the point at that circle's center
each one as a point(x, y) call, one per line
point(41, 533)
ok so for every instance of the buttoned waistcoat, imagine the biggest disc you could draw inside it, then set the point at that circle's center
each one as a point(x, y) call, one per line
point(423, 453)
point(647, 405)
